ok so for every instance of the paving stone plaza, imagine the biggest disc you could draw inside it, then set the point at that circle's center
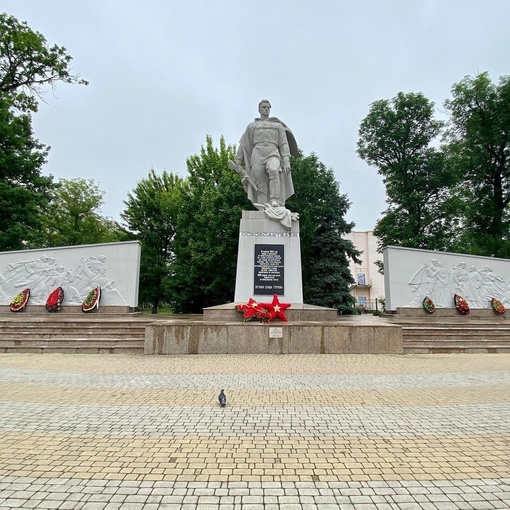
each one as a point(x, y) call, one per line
point(129, 432)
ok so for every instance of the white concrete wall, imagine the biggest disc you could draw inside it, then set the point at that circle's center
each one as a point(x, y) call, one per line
point(115, 267)
point(411, 275)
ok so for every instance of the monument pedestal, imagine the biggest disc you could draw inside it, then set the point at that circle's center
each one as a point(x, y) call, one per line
point(268, 260)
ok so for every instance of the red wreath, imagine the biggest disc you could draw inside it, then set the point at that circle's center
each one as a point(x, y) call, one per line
point(461, 304)
point(264, 312)
point(54, 301)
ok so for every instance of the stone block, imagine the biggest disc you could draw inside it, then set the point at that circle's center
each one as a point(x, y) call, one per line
point(248, 338)
point(337, 340)
point(208, 339)
point(305, 339)
point(363, 339)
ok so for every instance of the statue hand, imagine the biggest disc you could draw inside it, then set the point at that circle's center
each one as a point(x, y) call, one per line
point(287, 169)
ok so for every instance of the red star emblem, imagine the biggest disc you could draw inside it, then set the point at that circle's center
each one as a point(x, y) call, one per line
point(249, 310)
point(276, 309)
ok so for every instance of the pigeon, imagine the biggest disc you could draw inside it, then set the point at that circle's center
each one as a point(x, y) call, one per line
point(222, 398)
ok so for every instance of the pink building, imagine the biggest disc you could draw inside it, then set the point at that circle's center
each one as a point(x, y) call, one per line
point(368, 282)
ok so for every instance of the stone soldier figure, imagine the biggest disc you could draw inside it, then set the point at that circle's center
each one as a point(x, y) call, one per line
point(265, 149)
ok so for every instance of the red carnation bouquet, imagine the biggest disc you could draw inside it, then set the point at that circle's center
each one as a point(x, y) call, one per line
point(461, 304)
point(54, 301)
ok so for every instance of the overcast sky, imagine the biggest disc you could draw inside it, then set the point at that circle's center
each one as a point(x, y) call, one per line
point(165, 73)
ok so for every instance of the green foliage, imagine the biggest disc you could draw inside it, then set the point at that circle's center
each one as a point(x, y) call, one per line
point(27, 63)
point(397, 138)
point(206, 243)
point(382, 303)
point(73, 216)
point(324, 253)
point(479, 145)
point(208, 231)
point(151, 215)
point(24, 192)
point(453, 198)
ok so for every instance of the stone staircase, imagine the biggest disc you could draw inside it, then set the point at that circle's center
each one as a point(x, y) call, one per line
point(446, 331)
point(73, 333)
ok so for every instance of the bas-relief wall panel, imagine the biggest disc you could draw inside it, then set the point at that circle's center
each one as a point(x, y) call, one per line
point(410, 275)
point(115, 267)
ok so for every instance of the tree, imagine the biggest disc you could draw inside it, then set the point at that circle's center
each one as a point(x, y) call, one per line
point(479, 136)
point(73, 216)
point(208, 230)
point(24, 192)
point(397, 138)
point(152, 216)
point(206, 243)
point(27, 63)
point(324, 253)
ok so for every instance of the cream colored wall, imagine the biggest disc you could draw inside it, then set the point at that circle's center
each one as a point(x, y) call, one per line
point(366, 242)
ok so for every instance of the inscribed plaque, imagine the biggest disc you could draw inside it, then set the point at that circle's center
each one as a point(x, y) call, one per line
point(269, 269)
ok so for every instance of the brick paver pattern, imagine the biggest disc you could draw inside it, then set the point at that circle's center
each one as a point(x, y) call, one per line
point(107, 432)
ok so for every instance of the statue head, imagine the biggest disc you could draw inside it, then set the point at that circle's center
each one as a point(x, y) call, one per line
point(264, 107)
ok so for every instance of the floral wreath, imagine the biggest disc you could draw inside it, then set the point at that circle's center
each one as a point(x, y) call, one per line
point(263, 312)
point(428, 305)
point(461, 304)
point(20, 301)
point(54, 301)
point(91, 302)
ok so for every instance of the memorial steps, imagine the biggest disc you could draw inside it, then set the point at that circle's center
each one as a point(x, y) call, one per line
point(69, 331)
point(92, 333)
point(447, 331)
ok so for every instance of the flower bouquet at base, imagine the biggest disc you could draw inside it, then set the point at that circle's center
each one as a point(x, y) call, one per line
point(428, 305)
point(497, 306)
point(91, 302)
point(20, 301)
point(54, 301)
point(461, 304)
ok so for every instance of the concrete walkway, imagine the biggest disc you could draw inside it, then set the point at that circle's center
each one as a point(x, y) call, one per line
point(108, 432)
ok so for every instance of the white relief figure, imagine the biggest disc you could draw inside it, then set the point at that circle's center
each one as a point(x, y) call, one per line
point(95, 264)
point(459, 279)
point(93, 274)
point(493, 285)
point(34, 277)
point(59, 277)
point(441, 293)
point(87, 272)
point(55, 277)
point(71, 294)
point(3, 296)
point(424, 282)
point(474, 288)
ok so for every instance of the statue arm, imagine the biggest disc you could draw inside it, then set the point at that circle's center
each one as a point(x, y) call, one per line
point(283, 146)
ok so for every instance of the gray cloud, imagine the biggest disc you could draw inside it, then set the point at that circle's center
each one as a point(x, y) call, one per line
point(163, 74)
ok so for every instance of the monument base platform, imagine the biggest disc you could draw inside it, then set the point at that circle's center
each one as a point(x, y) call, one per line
point(301, 337)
